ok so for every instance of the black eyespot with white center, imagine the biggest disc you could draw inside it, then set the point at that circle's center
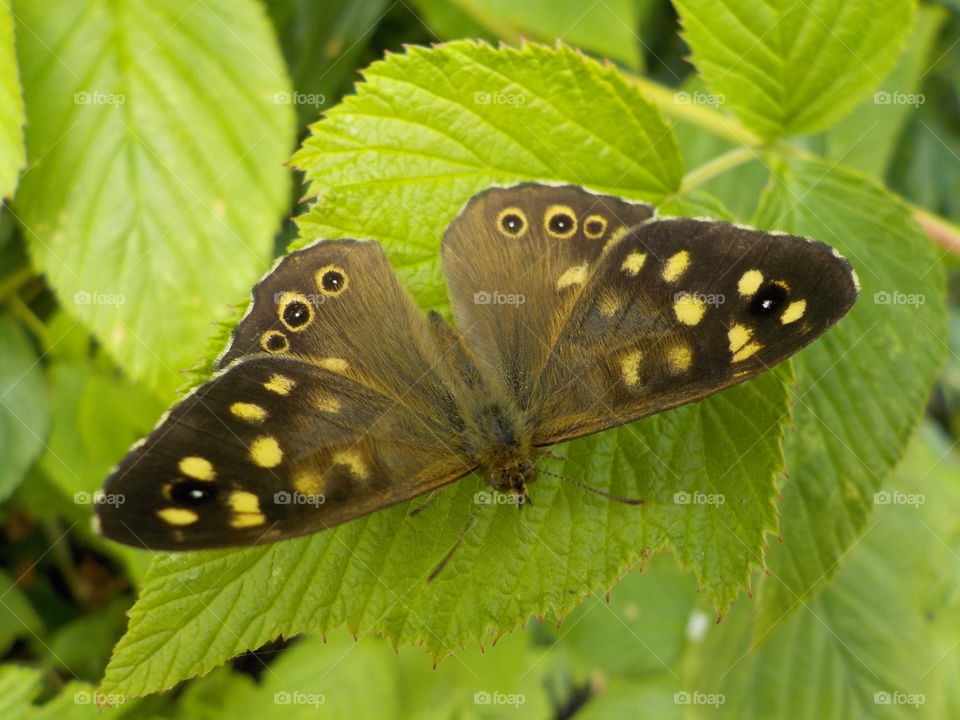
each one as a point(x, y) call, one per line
point(193, 493)
point(332, 280)
point(769, 299)
point(512, 222)
point(274, 341)
point(296, 314)
point(560, 221)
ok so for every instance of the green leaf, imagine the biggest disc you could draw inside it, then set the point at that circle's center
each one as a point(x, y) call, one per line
point(608, 29)
point(430, 128)
point(12, 151)
point(24, 410)
point(866, 140)
point(794, 68)
point(17, 616)
point(870, 636)
point(19, 687)
point(158, 181)
point(863, 386)
point(394, 146)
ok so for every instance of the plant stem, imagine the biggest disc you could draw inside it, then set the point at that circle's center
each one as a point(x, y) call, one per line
point(14, 281)
point(717, 166)
point(943, 232)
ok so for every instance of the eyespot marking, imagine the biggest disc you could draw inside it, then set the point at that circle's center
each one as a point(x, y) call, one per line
point(265, 451)
point(294, 311)
point(794, 312)
point(248, 411)
point(676, 265)
point(335, 364)
point(279, 384)
point(689, 309)
point(633, 263)
point(750, 282)
point(353, 460)
point(246, 509)
point(331, 280)
point(274, 341)
point(679, 359)
point(769, 299)
point(576, 275)
point(630, 367)
point(594, 226)
point(197, 467)
point(512, 222)
point(177, 516)
point(560, 222)
point(190, 492)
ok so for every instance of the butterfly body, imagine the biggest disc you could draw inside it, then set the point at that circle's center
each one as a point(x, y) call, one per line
point(573, 313)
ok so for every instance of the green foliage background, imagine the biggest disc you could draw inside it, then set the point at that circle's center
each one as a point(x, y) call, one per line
point(143, 166)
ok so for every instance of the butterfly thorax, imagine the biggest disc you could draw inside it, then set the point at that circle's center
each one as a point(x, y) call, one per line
point(504, 449)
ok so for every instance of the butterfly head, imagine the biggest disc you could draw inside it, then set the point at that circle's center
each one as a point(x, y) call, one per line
point(512, 474)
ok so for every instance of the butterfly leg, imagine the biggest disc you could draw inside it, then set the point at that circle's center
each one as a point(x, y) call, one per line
point(422, 505)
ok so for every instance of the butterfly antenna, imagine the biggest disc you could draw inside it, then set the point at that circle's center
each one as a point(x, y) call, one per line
point(463, 533)
point(609, 496)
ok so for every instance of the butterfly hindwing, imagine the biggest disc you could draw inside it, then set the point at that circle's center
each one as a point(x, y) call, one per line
point(353, 413)
point(679, 309)
point(504, 257)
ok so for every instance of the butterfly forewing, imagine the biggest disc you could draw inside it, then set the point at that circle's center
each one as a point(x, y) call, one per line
point(679, 309)
point(351, 413)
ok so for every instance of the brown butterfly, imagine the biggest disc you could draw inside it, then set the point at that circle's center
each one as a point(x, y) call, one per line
point(574, 313)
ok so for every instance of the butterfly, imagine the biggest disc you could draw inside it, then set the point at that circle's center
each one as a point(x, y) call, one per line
point(574, 312)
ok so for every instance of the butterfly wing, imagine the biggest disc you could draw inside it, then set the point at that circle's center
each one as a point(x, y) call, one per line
point(514, 259)
point(351, 413)
point(680, 309)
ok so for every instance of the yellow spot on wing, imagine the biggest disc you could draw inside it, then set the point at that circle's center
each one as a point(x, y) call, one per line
point(246, 509)
point(615, 236)
point(327, 403)
point(177, 516)
point(352, 459)
point(738, 336)
point(746, 351)
point(610, 305)
point(197, 467)
point(333, 364)
point(679, 359)
point(794, 312)
point(676, 265)
point(248, 411)
point(630, 367)
point(265, 451)
point(308, 483)
point(633, 262)
point(575, 275)
point(689, 309)
point(279, 384)
point(750, 282)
